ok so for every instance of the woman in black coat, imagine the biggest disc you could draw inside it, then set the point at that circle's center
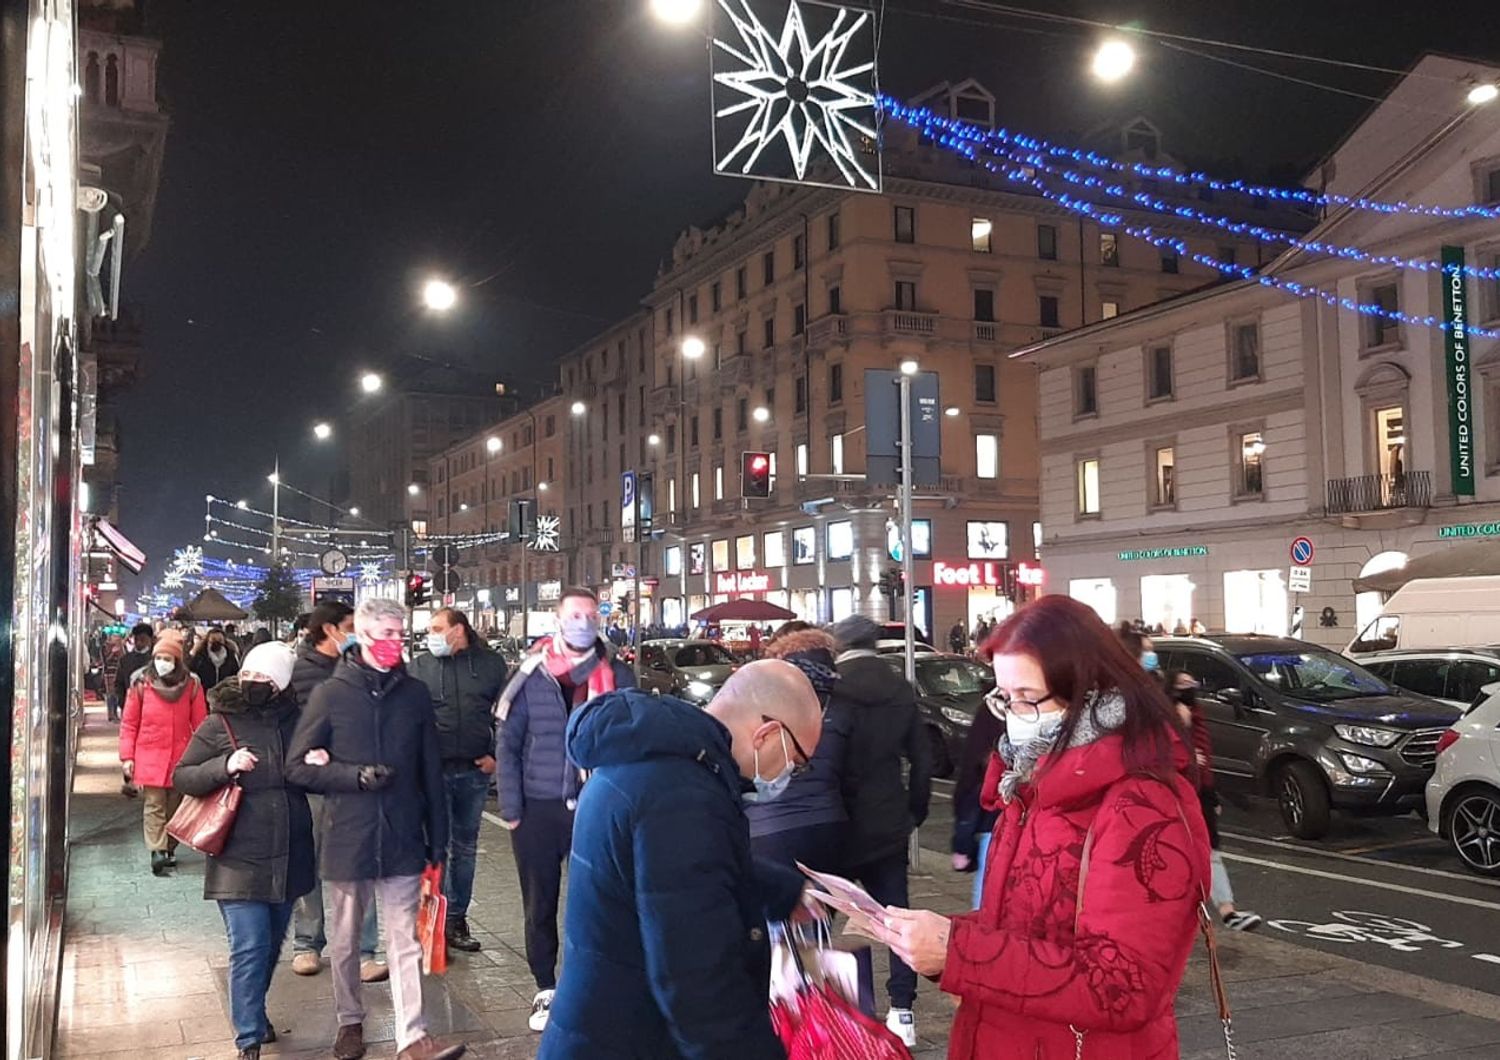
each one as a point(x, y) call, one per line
point(268, 861)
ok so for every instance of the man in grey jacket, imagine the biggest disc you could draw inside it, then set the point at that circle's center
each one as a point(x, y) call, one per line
point(538, 785)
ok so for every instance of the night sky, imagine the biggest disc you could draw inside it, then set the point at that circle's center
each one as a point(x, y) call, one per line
point(324, 158)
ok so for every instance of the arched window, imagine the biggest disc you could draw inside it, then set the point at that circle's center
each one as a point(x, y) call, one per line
point(91, 78)
point(112, 81)
point(1367, 605)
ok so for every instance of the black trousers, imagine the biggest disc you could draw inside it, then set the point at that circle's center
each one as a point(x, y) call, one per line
point(885, 879)
point(541, 843)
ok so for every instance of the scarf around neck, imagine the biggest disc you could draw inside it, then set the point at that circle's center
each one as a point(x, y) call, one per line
point(588, 678)
point(1102, 714)
point(170, 693)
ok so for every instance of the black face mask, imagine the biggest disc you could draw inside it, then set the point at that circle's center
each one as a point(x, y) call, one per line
point(1188, 697)
point(258, 693)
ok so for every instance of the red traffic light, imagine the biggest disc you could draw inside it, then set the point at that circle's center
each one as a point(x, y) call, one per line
point(755, 474)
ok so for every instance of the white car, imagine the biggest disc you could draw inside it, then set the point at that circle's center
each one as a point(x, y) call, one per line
point(1463, 796)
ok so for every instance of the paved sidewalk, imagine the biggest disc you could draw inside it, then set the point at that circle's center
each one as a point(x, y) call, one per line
point(144, 969)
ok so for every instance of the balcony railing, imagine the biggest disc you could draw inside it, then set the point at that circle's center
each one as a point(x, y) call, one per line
point(986, 331)
point(910, 323)
point(1374, 493)
point(828, 329)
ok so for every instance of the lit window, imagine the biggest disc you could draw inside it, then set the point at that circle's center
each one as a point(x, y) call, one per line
point(1109, 249)
point(836, 454)
point(1250, 455)
point(744, 552)
point(774, 547)
point(1088, 487)
point(697, 498)
point(721, 555)
point(801, 458)
point(718, 483)
point(981, 232)
point(1109, 310)
point(672, 560)
point(987, 455)
point(840, 540)
point(1166, 478)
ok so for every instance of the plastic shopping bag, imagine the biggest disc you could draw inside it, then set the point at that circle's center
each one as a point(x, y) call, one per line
point(432, 922)
point(816, 1021)
point(848, 970)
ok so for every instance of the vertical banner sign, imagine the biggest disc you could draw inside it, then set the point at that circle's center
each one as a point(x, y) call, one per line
point(627, 506)
point(1456, 349)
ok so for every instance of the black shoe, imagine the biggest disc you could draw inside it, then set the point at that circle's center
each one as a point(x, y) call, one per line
point(270, 1036)
point(171, 859)
point(459, 937)
point(249, 1052)
point(158, 862)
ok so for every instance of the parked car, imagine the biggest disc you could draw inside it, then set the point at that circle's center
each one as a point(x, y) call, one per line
point(1453, 675)
point(689, 669)
point(1311, 727)
point(1434, 613)
point(1463, 796)
point(950, 691)
point(893, 638)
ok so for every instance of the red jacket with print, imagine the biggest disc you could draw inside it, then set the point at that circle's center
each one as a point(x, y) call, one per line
point(1034, 964)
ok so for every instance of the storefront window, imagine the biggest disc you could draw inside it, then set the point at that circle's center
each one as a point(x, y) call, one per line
point(671, 612)
point(672, 560)
point(840, 604)
point(721, 555)
point(744, 552)
point(774, 545)
point(840, 541)
point(1166, 600)
point(804, 604)
point(804, 545)
point(1098, 593)
point(989, 540)
point(1255, 601)
point(697, 557)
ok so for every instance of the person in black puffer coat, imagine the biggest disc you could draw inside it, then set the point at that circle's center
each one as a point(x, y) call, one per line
point(972, 823)
point(884, 730)
point(267, 862)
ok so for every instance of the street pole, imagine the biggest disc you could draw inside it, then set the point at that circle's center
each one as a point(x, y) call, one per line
point(276, 513)
point(525, 579)
point(635, 594)
point(908, 592)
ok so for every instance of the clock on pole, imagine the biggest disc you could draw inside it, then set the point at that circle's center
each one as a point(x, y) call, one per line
point(334, 561)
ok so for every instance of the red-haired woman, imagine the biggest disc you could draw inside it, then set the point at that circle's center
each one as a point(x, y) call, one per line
point(1098, 861)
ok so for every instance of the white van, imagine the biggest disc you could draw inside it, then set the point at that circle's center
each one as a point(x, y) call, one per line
point(1435, 613)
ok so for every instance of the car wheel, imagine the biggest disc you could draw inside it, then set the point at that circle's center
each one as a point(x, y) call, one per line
point(1474, 825)
point(1303, 799)
point(942, 764)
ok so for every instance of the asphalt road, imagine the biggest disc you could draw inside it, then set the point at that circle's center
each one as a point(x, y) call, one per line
point(1382, 890)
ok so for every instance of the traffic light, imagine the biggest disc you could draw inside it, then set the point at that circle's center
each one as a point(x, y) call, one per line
point(755, 474)
point(417, 589)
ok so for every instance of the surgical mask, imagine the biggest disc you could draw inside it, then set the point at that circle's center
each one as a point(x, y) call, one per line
point(351, 640)
point(770, 790)
point(257, 693)
point(385, 654)
point(1149, 660)
point(216, 652)
point(1022, 731)
point(164, 666)
point(438, 644)
point(581, 632)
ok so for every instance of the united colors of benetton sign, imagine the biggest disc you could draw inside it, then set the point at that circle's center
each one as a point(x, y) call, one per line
point(1456, 349)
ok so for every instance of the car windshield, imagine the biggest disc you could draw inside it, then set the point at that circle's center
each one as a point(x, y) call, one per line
point(1320, 675)
point(691, 655)
point(953, 677)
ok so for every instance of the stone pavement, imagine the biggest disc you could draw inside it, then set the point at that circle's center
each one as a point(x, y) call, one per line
point(144, 969)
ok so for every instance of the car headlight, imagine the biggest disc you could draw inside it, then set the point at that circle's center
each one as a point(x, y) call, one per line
point(700, 690)
point(958, 717)
point(1368, 735)
point(1360, 764)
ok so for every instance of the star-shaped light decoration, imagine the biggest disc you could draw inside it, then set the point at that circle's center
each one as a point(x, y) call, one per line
point(369, 572)
point(172, 579)
point(188, 560)
point(546, 536)
point(793, 100)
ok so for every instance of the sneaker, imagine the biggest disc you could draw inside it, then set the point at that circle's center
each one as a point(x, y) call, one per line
point(459, 937)
point(541, 1009)
point(307, 963)
point(903, 1024)
point(424, 1048)
point(373, 971)
point(350, 1043)
point(1239, 920)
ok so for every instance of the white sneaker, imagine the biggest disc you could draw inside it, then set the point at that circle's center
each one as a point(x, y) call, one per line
point(541, 1008)
point(901, 1023)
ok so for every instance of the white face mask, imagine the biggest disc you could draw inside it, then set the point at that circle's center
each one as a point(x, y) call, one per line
point(1022, 731)
point(164, 666)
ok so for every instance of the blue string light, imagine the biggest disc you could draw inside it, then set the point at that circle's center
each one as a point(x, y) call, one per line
point(918, 115)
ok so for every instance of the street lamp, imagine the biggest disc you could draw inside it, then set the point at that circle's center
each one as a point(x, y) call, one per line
point(653, 439)
point(1484, 93)
point(1113, 61)
point(354, 512)
point(578, 408)
point(322, 431)
point(676, 12)
point(693, 347)
point(413, 489)
point(542, 486)
point(492, 445)
point(909, 367)
point(761, 414)
point(439, 295)
point(371, 382)
point(951, 411)
point(242, 505)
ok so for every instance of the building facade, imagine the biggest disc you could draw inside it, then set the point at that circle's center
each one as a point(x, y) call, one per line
point(1187, 446)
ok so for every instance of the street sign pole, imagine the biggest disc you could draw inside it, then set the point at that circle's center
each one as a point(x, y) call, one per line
point(908, 568)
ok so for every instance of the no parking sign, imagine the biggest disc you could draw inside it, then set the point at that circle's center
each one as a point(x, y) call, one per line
point(1302, 551)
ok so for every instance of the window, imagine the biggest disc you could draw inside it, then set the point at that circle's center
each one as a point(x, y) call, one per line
point(906, 224)
point(718, 424)
point(672, 438)
point(716, 296)
point(804, 545)
point(988, 539)
point(718, 483)
point(984, 383)
point(1046, 242)
point(981, 233)
point(1381, 330)
point(1109, 310)
point(1109, 249)
point(836, 454)
point(768, 267)
point(1086, 390)
point(1250, 450)
point(906, 295)
point(840, 541)
point(799, 252)
point(835, 383)
point(1214, 675)
point(1158, 373)
point(1169, 260)
point(984, 304)
point(774, 548)
point(1489, 289)
point(799, 319)
point(693, 432)
point(1390, 441)
point(800, 395)
point(1047, 311)
point(835, 301)
point(742, 415)
point(672, 495)
point(741, 288)
point(987, 455)
point(720, 554)
point(1088, 486)
point(833, 231)
point(1225, 254)
point(1490, 185)
point(1244, 353)
point(692, 308)
point(668, 323)
point(742, 342)
point(769, 337)
point(801, 458)
point(1166, 479)
point(744, 552)
point(696, 493)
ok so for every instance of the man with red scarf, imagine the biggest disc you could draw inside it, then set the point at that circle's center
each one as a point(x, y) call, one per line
point(538, 785)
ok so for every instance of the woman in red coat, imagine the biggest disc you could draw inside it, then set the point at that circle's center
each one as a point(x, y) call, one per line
point(164, 705)
point(1097, 865)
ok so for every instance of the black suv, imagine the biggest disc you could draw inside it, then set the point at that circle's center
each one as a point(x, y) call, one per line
point(1310, 726)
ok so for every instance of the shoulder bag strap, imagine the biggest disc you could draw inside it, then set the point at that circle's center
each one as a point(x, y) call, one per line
point(233, 743)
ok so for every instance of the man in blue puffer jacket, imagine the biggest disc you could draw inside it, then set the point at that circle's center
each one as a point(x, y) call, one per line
point(667, 956)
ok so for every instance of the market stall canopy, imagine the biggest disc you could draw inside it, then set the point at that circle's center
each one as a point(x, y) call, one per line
point(1459, 561)
point(211, 606)
point(743, 611)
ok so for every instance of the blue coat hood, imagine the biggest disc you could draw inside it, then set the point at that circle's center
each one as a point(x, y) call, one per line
point(630, 726)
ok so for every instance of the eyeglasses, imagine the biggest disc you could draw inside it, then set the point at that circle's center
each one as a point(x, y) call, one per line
point(798, 768)
point(1000, 702)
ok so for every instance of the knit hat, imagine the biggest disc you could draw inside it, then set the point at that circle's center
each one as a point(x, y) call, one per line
point(273, 660)
point(169, 643)
point(856, 631)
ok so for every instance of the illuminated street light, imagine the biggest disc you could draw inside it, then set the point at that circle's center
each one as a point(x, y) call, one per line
point(322, 431)
point(413, 489)
point(1483, 93)
point(653, 439)
point(1113, 61)
point(492, 444)
point(273, 478)
point(463, 507)
point(909, 367)
point(541, 486)
point(676, 12)
point(693, 347)
point(439, 295)
point(243, 505)
point(355, 512)
point(578, 408)
point(761, 414)
point(371, 382)
point(951, 410)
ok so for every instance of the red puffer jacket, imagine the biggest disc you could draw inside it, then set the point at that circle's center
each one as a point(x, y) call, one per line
point(1034, 966)
point(155, 731)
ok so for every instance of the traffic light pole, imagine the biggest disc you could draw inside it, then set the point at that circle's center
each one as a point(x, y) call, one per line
point(908, 568)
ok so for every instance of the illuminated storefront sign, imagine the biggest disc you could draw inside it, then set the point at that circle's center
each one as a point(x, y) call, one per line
point(1180, 552)
point(968, 574)
point(1470, 530)
point(1028, 575)
point(548, 592)
point(745, 581)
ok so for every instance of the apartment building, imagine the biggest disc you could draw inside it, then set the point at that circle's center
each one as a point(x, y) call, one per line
point(1186, 446)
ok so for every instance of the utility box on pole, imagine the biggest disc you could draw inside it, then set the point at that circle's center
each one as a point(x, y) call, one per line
point(883, 428)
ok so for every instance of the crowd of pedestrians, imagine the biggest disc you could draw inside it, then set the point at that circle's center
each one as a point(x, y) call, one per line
point(1083, 803)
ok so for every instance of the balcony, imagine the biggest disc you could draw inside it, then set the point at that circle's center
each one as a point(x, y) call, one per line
point(666, 397)
point(828, 330)
point(1379, 493)
point(986, 331)
point(738, 370)
point(907, 322)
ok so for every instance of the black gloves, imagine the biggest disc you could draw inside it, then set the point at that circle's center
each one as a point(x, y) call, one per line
point(373, 778)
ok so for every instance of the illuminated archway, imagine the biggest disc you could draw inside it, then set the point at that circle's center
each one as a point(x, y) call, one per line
point(1367, 605)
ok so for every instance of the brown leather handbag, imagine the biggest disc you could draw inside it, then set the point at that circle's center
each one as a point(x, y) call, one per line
point(204, 822)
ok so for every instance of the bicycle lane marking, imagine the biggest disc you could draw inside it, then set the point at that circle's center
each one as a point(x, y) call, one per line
point(1313, 852)
point(1399, 888)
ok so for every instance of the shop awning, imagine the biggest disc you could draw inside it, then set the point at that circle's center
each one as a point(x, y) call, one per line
point(1457, 561)
point(124, 549)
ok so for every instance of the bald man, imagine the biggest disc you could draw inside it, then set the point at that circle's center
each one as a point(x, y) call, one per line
point(665, 952)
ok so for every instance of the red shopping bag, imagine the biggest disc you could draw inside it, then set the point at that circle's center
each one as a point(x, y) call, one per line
point(820, 1024)
point(432, 921)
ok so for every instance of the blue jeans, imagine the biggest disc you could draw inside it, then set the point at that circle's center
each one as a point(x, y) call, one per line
point(255, 930)
point(467, 789)
point(984, 853)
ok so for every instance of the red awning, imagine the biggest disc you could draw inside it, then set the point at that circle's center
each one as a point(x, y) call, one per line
point(123, 548)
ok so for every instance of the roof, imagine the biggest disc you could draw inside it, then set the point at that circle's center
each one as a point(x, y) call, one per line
point(1238, 643)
